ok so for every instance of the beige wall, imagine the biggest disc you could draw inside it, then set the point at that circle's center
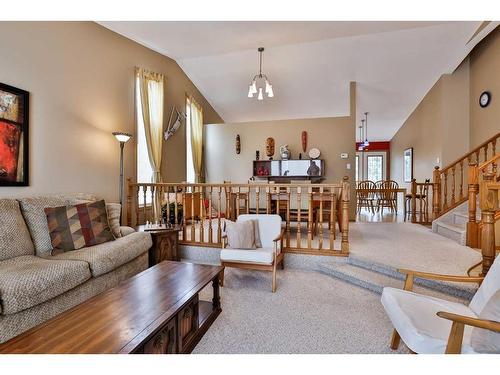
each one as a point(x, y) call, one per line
point(332, 136)
point(440, 120)
point(449, 122)
point(81, 82)
point(485, 76)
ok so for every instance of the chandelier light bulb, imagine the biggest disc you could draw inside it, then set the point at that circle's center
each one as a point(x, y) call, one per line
point(270, 92)
point(254, 87)
point(267, 86)
point(250, 91)
point(260, 97)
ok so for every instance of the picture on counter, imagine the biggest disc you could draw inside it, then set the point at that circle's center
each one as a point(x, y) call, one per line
point(13, 136)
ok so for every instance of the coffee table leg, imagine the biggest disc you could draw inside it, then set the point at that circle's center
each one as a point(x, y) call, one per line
point(216, 297)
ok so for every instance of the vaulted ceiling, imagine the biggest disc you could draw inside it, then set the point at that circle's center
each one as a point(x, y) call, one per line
point(310, 64)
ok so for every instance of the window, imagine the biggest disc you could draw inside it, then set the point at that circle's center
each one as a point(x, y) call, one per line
point(190, 173)
point(144, 170)
point(375, 167)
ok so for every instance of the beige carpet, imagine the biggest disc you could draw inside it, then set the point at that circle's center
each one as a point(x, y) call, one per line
point(406, 245)
point(309, 313)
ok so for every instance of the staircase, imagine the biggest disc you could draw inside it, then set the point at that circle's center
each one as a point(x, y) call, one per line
point(457, 186)
point(453, 224)
point(375, 276)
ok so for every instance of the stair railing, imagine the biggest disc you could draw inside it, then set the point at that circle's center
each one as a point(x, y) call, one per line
point(479, 177)
point(448, 182)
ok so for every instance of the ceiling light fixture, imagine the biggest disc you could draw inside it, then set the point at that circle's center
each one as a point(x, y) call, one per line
point(263, 82)
point(361, 127)
point(366, 143)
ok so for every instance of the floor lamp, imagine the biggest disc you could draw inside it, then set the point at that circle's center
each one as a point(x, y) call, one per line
point(122, 138)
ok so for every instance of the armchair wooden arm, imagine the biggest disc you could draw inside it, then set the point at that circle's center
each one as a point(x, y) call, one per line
point(454, 345)
point(410, 277)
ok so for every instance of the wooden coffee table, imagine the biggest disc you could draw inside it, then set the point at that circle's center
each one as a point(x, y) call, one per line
point(156, 311)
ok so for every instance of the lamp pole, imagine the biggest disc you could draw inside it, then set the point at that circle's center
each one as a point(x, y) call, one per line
point(122, 138)
point(122, 144)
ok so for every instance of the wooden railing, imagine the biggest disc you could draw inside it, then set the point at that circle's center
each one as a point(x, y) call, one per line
point(480, 176)
point(310, 212)
point(449, 182)
point(421, 202)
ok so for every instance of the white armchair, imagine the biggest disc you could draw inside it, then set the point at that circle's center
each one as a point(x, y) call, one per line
point(265, 258)
point(435, 326)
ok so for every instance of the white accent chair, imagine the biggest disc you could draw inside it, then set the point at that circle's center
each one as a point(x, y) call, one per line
point(434, 326)
point(265, 258)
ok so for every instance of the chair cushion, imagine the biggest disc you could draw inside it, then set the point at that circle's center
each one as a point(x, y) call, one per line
point(489, 286)
point(414, 317)
point(108, 256)
point(483, 340)
point(269, 227)
point(73, 227)
point(15, 238)
point(240, 235)
point(34, 215)
point(263, 255)
point(28, 280)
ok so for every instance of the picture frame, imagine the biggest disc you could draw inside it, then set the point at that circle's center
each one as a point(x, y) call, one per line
point(14, 136)
point(408, 164)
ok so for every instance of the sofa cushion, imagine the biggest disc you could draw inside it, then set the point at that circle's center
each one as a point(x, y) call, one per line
point(28, 280)
point(73, 227)
point(262, 255)
point(15, 238)
point(34, 215)
point(108, 256)
point(240, 235)
point(114, 210)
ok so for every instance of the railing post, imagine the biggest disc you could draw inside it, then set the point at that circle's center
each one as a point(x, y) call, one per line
point(345, 197)
point(473, 189)
point(489, 204)
point(436, 193)
point(414, 201)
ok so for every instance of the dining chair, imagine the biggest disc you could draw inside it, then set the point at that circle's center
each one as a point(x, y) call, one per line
point(365, 199)
point(388, 199)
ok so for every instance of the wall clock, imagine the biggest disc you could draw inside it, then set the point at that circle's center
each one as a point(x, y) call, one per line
point(484, 99)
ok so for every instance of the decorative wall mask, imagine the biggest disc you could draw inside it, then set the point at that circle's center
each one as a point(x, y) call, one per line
point(285, 152)
point(304, 141)
point(270, 147)
point(238, 144)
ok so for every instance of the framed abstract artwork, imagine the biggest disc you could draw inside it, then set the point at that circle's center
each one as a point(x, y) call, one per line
point(408, 164)
point(14, 160)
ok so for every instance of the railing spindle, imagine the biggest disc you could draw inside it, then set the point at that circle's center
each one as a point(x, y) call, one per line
point(320, 236)
point(299, 225)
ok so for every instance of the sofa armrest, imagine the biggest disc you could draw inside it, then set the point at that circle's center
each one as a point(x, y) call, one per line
point(125, 231)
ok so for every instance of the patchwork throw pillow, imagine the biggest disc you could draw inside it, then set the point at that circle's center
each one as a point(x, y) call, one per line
point(73, 227)
point(240, 235)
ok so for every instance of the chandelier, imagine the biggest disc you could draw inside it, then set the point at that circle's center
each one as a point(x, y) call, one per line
point(260, 82)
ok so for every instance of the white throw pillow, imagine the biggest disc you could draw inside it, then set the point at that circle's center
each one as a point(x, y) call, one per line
point(240, 235)
point(483, 340)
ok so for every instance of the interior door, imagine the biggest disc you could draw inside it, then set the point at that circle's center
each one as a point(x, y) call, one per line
point(371, 165)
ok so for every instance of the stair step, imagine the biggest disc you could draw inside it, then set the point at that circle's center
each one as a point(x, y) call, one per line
point(461, 218)
point(376, 282)
point(460, 290)
point(452, 231)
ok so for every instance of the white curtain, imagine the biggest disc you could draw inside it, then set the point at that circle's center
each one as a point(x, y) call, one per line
point(196, 123)
point(150, 86)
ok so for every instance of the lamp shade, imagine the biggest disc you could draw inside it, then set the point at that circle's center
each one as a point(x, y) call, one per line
point(122, 137)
